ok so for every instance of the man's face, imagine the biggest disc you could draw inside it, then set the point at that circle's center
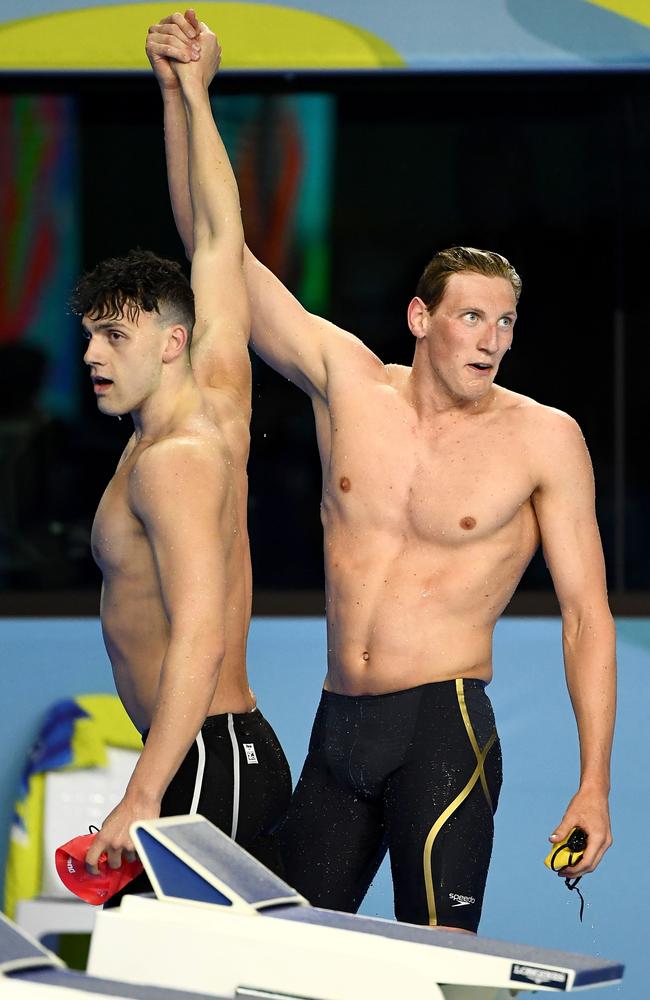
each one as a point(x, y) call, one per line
point(469, 332)
point(125, 360)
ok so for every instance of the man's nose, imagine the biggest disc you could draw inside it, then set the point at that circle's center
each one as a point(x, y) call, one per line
point(489, 340)
point(91, 354)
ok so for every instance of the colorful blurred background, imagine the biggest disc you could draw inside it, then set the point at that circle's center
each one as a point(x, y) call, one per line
point(364, 138)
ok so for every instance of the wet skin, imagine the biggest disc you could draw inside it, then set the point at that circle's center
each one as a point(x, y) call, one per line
point(428, 523)
point(135, 621)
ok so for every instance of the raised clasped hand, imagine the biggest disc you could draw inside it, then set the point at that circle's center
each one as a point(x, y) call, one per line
point(180, 47)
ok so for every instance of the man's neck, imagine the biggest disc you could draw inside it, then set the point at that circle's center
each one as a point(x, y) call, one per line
point(432, 399)
point(167, 408)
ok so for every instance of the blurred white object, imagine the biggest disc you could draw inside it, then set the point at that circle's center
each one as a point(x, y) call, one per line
point(74, 801)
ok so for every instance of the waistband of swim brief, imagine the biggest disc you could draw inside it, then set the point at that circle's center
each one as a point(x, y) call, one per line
point(440, 687)
point(213, 723)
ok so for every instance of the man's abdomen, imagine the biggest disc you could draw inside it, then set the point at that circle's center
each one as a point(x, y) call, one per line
point(416, 614)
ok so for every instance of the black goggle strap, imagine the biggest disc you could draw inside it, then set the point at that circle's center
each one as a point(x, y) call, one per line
point(93, 829)
point(573, 884)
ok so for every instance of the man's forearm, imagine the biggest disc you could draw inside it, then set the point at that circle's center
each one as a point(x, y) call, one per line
point(213, 188)
point(176, 154)
point(590, 661)
point(188, 681)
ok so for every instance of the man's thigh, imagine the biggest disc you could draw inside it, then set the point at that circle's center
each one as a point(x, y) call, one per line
point(332, 842)
point(439, 810)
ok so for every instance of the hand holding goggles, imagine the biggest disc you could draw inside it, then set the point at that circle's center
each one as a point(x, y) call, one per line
point(567, 853)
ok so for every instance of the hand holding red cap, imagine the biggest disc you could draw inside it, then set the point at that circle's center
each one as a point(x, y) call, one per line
point(70, 861)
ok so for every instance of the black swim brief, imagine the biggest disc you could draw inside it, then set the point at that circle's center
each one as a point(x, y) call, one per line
point(415, 772)
point(236, 775)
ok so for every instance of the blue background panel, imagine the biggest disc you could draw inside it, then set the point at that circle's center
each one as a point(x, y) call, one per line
point(46, 660)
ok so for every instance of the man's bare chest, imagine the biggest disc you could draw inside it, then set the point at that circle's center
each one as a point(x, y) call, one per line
point(118, 540)
point(450, 485)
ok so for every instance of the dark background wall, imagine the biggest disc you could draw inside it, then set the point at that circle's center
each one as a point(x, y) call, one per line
point(549, 170)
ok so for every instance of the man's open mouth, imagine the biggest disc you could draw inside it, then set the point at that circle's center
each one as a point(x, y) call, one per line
point(480, 366)
point(100, 380)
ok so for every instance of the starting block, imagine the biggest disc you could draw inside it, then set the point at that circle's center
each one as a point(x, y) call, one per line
point(223, 925)
point(28, 971)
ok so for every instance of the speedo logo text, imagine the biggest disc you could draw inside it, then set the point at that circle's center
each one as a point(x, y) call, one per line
point(461, 900)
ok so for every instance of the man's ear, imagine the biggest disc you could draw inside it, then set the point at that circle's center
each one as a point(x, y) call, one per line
point(177, 337)
point(416, 315)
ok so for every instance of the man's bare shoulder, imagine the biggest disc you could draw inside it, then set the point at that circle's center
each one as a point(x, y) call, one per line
point(536, 417)
point(551, 441)
point(396, 375)
point(186, 461)
point(349, 357)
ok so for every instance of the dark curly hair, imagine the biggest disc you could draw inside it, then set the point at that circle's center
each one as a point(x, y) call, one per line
point(122, 286)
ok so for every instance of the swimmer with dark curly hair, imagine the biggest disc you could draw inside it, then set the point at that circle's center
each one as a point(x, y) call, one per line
point(170, 534)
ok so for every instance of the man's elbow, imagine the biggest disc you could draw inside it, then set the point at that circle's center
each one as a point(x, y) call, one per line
point(205, 645)
point(213, 647)
point(593, 617)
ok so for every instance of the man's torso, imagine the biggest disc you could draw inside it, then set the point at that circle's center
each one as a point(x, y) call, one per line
point(134, 622)
point(428, 529)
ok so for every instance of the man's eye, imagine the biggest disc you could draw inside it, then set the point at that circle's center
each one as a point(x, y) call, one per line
point(472, 317)
point(506, 321)
point(114, 335)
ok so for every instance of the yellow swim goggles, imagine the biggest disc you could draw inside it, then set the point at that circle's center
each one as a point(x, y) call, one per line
point(567, 853)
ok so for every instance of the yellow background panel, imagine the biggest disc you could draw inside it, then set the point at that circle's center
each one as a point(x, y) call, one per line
point(635, 10)
point(254, 36)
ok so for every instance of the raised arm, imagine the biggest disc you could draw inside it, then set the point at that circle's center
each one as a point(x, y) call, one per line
point(303, 347)
point(175, 38)
point(220, 341)
point(564, 504)
point(178, 492)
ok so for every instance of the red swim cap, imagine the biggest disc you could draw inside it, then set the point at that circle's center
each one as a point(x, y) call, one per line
point(70, 861)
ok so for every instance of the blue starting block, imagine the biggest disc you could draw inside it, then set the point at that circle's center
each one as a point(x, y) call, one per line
point(223, 925)
point(187, 858)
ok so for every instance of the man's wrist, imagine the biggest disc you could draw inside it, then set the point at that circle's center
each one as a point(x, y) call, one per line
point(142, 799)
point(194, 94)
point(595, 785)
point(171, 90)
